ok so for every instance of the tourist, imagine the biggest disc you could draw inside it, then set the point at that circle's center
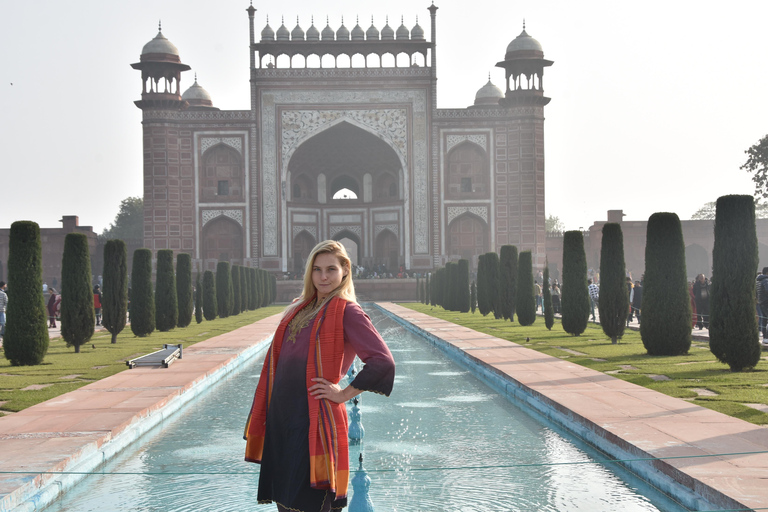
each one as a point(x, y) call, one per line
point(762, 300)
point(594, 296)
point(297, 427)
point(51, 308)
point(3, 306)
point(97, 303)
point(637, 299)
point(693, 304)
point(537, 290)
point(701, 295)
point(631, 295)
point(555, 298)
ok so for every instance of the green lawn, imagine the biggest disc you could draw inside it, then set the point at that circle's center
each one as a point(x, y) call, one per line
point(689, 376)
point(63, 370)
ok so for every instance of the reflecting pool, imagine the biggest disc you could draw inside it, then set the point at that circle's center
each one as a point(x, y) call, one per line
point(439, 421)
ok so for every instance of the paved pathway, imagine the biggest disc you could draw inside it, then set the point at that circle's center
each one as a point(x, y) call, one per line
point(636, 420)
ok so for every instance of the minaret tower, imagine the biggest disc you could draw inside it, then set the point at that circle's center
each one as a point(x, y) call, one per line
point(161, 69)
point(524, 65)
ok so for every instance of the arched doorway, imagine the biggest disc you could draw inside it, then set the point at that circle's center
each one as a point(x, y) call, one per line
point(351, 243)
point(467, 238)
point(221, 176)
point(223, 240)
point(467, 176)
point(387, 251)
point(303, 243)
point(697, 261)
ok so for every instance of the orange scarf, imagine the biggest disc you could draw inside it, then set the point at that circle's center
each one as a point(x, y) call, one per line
point(328, 432)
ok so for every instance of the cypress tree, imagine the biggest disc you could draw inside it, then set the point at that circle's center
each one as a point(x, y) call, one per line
point(272, 288)
point(184, 288)
point(449, 293)
point(209, 296)
point(733, 331)
point(235, 270)
point(614, 300)
point(462, 286)
point(508, 280)
point(224, 295)
point(426, 291)
point(166, 301)
point(666, 326)
point(492, 282)
point(243, 289)
point(198, 299)
point(264, 287)
point(26, 330)
point(546, 292)
point(142, 296)
point(575, 294)
point(418, 289)
point(473, 297)
point(114, 297)
point(78, 317)
point(525, 302)
point(254, 289)
point(483, 302)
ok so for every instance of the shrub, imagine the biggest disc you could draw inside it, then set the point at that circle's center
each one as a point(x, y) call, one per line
point(546, 296)
point(77, 314)
point(142, 296)
point(243, 289)
point(613, 304)
point(508, 281)
point(450, 291)
point(525, 301)
point(483, 301)
point(166, 301)
point(492, 282)
point(426, 291)
point(265, 287)
point(26, 331)
point(666, 309)
point(254, 285)
point(473, 297)
point(114, 296)
point(184, 289)
point(209, 296)
point(198, 299)
point(224, 295)
point(462, 286)
point(235, 271)
point(733, 332)
point(575, 294)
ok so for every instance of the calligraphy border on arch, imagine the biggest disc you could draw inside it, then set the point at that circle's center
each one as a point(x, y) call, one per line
point(455, 211)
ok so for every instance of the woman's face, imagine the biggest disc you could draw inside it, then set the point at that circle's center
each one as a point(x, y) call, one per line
point(327, 273)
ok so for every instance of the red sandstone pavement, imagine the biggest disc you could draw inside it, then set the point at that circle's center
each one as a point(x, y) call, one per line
point(647, 421)
point(52, 436)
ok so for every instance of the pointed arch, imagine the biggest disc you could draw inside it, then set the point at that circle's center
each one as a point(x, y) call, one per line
point(468, 237)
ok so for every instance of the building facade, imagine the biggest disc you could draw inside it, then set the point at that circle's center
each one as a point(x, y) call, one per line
point(343, 140)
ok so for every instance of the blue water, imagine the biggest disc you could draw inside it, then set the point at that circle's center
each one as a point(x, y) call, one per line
point(438, 417)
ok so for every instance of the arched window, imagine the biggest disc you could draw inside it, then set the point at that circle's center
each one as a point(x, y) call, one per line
point(468, 173)
point(221, 179)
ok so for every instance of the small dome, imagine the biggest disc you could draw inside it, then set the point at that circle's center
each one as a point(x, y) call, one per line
point(343, 33)
point(297, 34)
point(417, 33)
point(160, 45)
point(196, 96)
point(402, 31)
point(312, 33)
point(524, 42)
point(328, 33)
point(372, 34)
point(357, 33)
point(387, 33)
point(283, 34)
point(267, 34)
point(488, 94)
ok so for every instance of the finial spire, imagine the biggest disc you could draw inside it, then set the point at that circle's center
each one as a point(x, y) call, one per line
point(195, 76)
point(297, 20)
point(159, 26)
point(523, 23)
point(489, 76)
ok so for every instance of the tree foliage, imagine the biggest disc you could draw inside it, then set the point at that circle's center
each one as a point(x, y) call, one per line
point(707, 212)
point(210, 305)
point(114, 297)
point(574, 297)
point(526, 302)
point(166, 300)
point(462, 286)
point(546, 292)
point(243, 289)
point(253, 296)
point(224, 294)
point(757, 165)
point(554, 225)
point(77, 314)
point(733, 331)
point(473, 297)
point(613, 304)
point(508, 281)
point(129, 222)
point(198, 299)
point(483, 301)
point(666, 326)
point(493, 284)
point(235, 271)
point(142, 296)
point(26, 331)
point(184, 289)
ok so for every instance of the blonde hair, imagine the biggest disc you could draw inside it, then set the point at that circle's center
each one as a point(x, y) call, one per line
point(346, 290)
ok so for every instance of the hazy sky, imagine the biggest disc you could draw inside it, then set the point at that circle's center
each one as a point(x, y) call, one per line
point(653, 103)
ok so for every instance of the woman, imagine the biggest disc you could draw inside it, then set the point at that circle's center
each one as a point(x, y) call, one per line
point(51, 308)
point(297, 428)
point(97, 303)
point(555, 298)
point(701, 296)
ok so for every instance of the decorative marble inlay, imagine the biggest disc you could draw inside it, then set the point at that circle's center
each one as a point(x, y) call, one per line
point(197, 115)
point(392, 227)
point(455, 211)
point(479, 139)
point(312, 230)
point(354, 229)
point(233, 142)
point(236, 215)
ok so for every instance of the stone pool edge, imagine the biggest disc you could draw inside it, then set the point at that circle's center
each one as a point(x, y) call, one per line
point(686, 489)
point(40, 490)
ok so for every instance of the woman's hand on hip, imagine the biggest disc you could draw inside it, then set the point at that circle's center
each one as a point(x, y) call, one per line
point(325, 389)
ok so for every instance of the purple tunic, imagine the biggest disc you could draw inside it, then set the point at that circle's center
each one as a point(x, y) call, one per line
point(284, 474)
